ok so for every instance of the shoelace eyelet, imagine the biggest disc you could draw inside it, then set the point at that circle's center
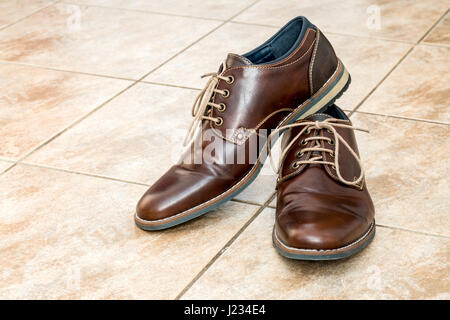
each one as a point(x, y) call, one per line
point(333, 167)
point(230, 80)
point(331, 142)
point(303, 142)
point(329, 131)
point(222, 107)
point(299, 154)
point(332, 154)
point(226, 93)
point(219, 122)
point(295, 165)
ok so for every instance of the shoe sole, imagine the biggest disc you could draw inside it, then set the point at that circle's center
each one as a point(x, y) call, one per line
point(323, 255)
point(326, 96)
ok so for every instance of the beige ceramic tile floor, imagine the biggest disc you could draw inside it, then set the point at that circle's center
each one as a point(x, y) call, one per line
point(88, 90)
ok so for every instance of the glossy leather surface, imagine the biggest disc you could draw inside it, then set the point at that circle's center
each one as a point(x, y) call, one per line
point(314, 209)
point(261, 96)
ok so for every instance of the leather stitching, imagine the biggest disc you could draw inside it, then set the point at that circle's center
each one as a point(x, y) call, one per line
point(224, 73)
point(270, 67)
point(312, 63)
point(296, 50)
point(240, 57)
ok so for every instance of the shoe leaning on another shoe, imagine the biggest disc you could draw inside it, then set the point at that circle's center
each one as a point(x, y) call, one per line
point(292, 75)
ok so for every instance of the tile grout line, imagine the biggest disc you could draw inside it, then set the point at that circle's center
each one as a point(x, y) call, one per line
point(367, 96)
point(23, 64)
point(26, 17)
point(224, 248)
point(86, 174)
point(435, 25)
point(142, 11)
point(8, 168)
point(77, 121)
point(197, 41)
point(248, 202)
point(169, 85)
point(400, 117)
point(74, 123)
point(97, 176)
point(435, 235)
point(434, 45)
point(399, 62)
point(6, 62)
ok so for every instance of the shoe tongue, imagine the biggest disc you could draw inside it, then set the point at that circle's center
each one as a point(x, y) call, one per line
point(235, 60)
point(317, 117)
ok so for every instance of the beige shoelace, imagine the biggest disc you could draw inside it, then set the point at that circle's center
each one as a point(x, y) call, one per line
point(202, 102)
point(330, 125)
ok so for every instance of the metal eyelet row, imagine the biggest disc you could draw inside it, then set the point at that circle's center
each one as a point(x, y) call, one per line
point(223, 106)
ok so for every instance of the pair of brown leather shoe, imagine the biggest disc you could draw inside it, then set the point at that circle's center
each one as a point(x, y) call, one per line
point(287, 85)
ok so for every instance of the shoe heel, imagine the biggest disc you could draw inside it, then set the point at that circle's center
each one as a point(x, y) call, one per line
point(325, 96)
point(330, 91)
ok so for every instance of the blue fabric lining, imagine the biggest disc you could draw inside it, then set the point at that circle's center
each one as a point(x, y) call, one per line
point(335, 112)
point(282, 43)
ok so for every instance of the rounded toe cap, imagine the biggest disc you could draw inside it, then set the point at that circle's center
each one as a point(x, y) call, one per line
point(150, 209)
point(321, 234)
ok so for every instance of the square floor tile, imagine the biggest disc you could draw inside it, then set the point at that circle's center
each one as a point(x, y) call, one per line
point(207, 55)
point(137, 136)
point(396, 265)
point(407, 165)
point(13, 10)
point(97, 40)
point(441, 34)
point(417, 88)
point(368, 61)
point(393, 19)
point(68, 236)
point(36, 104)
point(212, 9)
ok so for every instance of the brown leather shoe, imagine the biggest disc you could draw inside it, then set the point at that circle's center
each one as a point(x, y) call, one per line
point(324, 210)
point(292, 75)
